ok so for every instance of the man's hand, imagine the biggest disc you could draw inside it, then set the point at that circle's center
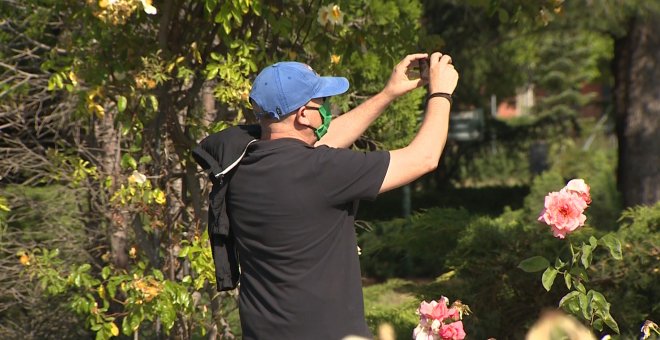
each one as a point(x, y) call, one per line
point(423, 152)
point(442, 75)
point(399, 82)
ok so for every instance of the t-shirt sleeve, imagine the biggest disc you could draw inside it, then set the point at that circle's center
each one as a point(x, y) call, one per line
point(347, 175)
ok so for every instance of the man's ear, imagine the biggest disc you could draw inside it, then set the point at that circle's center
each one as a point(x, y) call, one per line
point(302, 118)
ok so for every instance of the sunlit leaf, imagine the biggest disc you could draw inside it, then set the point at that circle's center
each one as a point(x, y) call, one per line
point(534, 264)
point(121, 103)
point(613, 244)
point(586, 255)
point(549, 278)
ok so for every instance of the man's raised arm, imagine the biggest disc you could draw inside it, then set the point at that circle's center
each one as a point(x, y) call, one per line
point(347, 128)
point(423, 153)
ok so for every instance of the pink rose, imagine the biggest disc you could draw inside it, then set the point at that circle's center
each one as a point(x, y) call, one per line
point(563, 212)
point(435, 326)
point(423, 333)
point(426, 308)
point(579, 187)
point(454, 313)
point(436, 310)
point(440, 312)
point(452, 331)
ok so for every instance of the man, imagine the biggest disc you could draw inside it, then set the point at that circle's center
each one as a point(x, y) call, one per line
point(291, 195)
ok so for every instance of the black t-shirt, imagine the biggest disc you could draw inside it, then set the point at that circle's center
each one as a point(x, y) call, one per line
point(291, 208)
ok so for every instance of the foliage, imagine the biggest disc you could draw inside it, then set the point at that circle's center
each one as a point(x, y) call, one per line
point(392, 302)
point(481, 261)
point(631, 284)
point(45, 217)
point(485, 273)
point(107, 98)
point(400, 248)
point(564, 212)
point(93, 92)
point(145, 295)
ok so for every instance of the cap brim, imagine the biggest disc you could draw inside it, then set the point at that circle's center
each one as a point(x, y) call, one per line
point(331, 86)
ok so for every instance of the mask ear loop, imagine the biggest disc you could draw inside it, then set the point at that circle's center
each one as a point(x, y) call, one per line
point(326, 117)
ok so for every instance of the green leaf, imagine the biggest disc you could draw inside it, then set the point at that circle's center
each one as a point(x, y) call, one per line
point(586, 255)
point(158, 274)
point(126, 327)
point(534, 264)
point(503, 15)
point(184, 252)
point(600, 301)
point(127, 161)
point(111, 287)
point(168, 314)
point(581, 273)
point(598, 324)
point(573, 306)
point(593, 242)
point(609, 321)
point(58, 81)
point(132, 321)
point(146, 159)
point(549, 278)
point(121, 103)
point(567, 298)
point(154, 102)
point(212, 71)
point(613, 244)
point(226, 26)
point(567, 279)
point(101, 334)
point(580, 287)
point(105, 272)
point(584, 306)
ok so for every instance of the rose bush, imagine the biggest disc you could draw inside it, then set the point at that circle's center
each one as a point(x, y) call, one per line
point(564, 213)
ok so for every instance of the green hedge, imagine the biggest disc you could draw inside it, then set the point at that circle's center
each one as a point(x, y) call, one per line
point(482, 272)
point(414, 247)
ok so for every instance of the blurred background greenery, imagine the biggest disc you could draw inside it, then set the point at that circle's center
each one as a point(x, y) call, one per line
point(103, 211)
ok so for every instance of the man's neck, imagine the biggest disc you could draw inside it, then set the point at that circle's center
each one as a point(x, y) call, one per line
point(266, 134)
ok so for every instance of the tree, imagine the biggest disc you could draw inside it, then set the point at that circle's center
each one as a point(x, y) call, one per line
point(108, 98)
point(637, 109)
point(628, 23)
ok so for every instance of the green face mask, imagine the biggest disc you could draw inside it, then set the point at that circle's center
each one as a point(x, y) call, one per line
point(326, 117)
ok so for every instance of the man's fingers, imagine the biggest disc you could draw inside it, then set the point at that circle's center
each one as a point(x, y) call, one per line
point(435, 57)
point(412, 57)
point(420, 82)
point(445, 60)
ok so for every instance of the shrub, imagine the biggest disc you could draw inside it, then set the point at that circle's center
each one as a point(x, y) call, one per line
point(414, 247)
point(632, 284)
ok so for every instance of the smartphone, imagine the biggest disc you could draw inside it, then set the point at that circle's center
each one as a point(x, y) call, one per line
point(419, 69)
point(424, 68)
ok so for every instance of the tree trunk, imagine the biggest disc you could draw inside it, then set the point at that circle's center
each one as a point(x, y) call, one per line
point(637, 111)
point(108, 136)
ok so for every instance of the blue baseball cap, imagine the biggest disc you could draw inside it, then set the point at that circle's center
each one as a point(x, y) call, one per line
point(281, 88)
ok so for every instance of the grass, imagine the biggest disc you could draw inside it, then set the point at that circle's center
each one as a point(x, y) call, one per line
point(395, 302)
